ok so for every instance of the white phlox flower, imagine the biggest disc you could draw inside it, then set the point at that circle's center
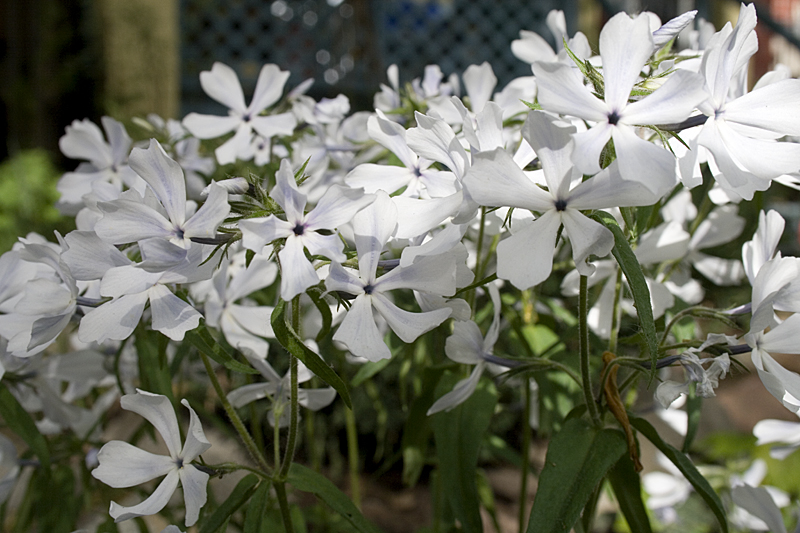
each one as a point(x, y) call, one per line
point(531, 47)
point(358, 331)
point(133, 218)
point(279, 389)
point(757, 507)
point(526, 257)
point(706, 380)
point(124, 465)
point(467, 346)
point(302, 230)
point(222, 84)
point(105, 161)
point(786, 433)
point(625, 46)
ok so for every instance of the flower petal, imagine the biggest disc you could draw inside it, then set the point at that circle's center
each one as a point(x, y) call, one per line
point(408, 326)
point(125, 465)
point(222, 84)
point(269, 88)
point(156, 409)
point(164, 176)
point(526, 258)
point(152, 505)
point(359, 333)
point(194, 484)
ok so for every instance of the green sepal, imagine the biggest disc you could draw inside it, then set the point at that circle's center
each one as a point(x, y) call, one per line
point(307, 480)
point(241, 493)
point(633, 273)
point(686, 467)
point(295, 346)
point(578, 458)
point(202, 339)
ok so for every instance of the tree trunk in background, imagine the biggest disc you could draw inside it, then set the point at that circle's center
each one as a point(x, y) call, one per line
point(142, 57)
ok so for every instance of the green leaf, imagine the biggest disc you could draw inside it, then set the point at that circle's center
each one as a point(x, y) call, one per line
point(202, 339)
point(256, 508)
point(294, 345)
point(244, 489)
point(628, 489)
point(534, 106)
point(367, 370)
point(306, 480)
point(458, 434)
point(633, 273)
point(686, 467)
point(154, 370)
point(23, 425)
point(578, 458)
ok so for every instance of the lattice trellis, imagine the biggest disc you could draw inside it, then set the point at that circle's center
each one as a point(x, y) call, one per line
point(346, 45)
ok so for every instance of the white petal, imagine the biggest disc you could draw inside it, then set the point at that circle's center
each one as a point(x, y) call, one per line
point(758, 502)
point(479, 82)
point(359, 333)
point(237, 146)
point(643, 161)
point(156, 409)
point(127, 221)
point(589, 145)
point(172, 316)
point(372, 227)
point(769, 431)
point(625, 46)
point(392, 136)
point(257, 232)
point(417, 216)
point(210, 126)
point(297, 272)
point(124, 465)
point(670, 103)
point(433, 139)
point(287, 195)
point(316, 399)
point(269, 88)
point(222, 84)
point(435, 274)
point(771, 108)
point(460, 393)
point(164, 176)
point(465, 345)
point(194, 492)
point(212, 213)
point(553, 145)
point(408, 326)
point(587, 237)
point(114, 320)
point(250, 393)
point(89, 257)
point(561, 90)
point(340, 279)
point(336, 207)
point(526, 258)
point(373, 177)
point(152, 505)
point(272, 125)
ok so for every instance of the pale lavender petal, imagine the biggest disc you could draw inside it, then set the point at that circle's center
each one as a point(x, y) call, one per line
point(359, 333)
point(561, 90)
point(269, 88)
point(164, 176)
point(152, 505)
point(114, 320)
point(250, 393)
point(479, 82)
point(336, 207)
point(257, 232)
point(773, 107)
point(196, 441)
point(496, 180)
point(316, 399)
point(272, 125)
point(392, 136)
point(372, 227)
point(89, 257)
point(210, 126)
point(672, 102)
point(287, 195)
point(330, 246)
point(194, 484)
point(417, 216)
point(343, 280)
point(608, 189)
point(222, 84)
point(435, 140)
point(526, 258)
point(156, 409)
point(589, 145)
point(297, 272)
point(212, 213)
point(643, 161)
point(587, 237)
point(237, 145)
point(435, 274)
point(460, 393)
point(758, 502)
point(408, 326)
point(553, 145)
point(44, 296)
point(118, 138)
point(465, 345)
point(625, 46)
point(84, 140)
point(532, 47)
point(172, 316)
point(127, 221)
point(373, 177)
point(128, 279)
point(124, 465)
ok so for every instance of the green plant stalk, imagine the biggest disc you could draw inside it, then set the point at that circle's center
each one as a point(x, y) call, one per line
point(352, 456)
point(291, 441)
point(526, 446)
point(615, 317)
point(583, 343)
point(283, 503)
point(478, 252)
point(238, 425)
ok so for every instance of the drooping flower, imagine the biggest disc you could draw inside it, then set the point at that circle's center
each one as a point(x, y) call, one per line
point(124, 465)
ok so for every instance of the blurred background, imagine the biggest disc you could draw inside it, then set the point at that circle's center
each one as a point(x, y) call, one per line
point(63, 60)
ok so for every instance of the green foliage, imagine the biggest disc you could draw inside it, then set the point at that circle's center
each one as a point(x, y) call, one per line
point(578, 458)
point(27, 197)
point(459, 434)
point(628, 489)
point(243, 491)
point(23, 425)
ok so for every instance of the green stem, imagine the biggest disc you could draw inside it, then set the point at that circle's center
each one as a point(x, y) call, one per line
point(283, 502)
point(291, 442)
point(616, 316)
point(478, 252)
point(352, 456)
point(249, 444)
point(583, 342)
point(526, 453)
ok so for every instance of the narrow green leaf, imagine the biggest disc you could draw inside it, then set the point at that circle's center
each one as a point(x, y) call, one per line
point(241, 493)
point(578, 458)
point(367, 370)
point(294, 345)
point(633, 273)
point(202, 339)
point(458, 435)
point(154, 371)
point(23, 425)
point(628, 489)
point(315, 293)
point(256, 509)
point(306, 480)
point(686, 467)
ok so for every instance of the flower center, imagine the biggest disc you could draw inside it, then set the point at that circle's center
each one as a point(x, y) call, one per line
point(368, 288)
point(560, 205)
point(299, 229)
point(613, 118)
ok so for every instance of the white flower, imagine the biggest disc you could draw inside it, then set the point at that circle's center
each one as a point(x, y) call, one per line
point(124, 465)
point(222, 84)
